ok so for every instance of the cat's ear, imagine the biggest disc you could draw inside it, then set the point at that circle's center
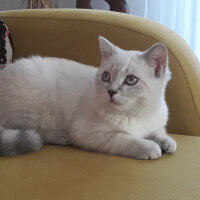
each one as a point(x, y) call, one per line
point(107, 48)
point(157, 57)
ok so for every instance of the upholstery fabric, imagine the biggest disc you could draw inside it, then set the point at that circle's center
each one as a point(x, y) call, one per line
point(68, 173)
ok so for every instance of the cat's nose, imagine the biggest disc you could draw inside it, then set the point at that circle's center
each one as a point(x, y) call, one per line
point(111, 92)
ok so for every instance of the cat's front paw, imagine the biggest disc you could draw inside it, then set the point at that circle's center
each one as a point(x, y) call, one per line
point(166, 143)
point(149, 150)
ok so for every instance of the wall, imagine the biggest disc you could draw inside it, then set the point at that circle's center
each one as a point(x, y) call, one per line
point(12, 4)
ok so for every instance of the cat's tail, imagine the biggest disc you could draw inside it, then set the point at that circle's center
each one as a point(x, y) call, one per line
point(15, 142)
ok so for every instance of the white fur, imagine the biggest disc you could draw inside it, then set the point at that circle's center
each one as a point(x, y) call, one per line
point(34, 138)
point(68, 104)
point(9, 136)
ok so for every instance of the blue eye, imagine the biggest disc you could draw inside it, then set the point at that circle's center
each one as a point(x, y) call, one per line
point(106, 77)
point(131, 80)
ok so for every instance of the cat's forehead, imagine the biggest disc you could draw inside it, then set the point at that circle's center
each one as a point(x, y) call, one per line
point(128, 62)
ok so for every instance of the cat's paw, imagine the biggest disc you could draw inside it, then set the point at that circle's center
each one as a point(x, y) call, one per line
point(166, 143)
point(149, 150)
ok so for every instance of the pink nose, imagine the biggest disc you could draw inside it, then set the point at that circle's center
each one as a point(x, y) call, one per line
point(111, 92)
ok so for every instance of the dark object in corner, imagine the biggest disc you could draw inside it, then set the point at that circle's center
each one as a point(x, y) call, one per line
point(115, 5)
point(6, 47)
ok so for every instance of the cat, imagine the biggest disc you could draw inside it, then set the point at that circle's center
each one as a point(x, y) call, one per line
point(118, 109)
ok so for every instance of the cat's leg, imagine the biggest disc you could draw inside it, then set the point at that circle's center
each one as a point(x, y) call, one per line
point(117, 144)
point(57, 137)
point(166, 143)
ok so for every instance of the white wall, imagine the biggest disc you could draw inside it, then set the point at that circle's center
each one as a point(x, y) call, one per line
point(12, 4)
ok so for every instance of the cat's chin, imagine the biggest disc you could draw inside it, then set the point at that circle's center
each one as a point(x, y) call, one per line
point(116, 104)
point(113, 102)
point(116, 107)
point(125, 107)
point(118, 101)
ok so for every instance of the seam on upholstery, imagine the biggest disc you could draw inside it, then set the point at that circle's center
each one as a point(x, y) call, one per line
point(178, 132)
point(98, 22)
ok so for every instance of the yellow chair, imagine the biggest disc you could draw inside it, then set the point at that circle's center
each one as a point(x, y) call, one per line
point(60, 173)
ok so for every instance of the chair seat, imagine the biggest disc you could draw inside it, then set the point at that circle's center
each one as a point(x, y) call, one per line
point(60, 173)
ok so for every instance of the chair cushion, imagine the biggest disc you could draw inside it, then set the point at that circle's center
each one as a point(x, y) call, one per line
point(62, 173)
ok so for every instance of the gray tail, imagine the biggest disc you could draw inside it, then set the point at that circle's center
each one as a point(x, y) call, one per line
point(15, 142)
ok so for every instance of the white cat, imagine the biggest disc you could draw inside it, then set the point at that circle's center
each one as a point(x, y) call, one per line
point(118, 109)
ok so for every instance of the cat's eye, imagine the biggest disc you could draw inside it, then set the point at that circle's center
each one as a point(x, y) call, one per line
point(106, 76)
point(131, 80)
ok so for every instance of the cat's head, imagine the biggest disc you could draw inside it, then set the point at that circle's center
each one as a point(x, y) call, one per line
point(128, 77)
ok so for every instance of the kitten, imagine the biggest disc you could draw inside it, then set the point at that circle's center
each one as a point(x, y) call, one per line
point(119, 108)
